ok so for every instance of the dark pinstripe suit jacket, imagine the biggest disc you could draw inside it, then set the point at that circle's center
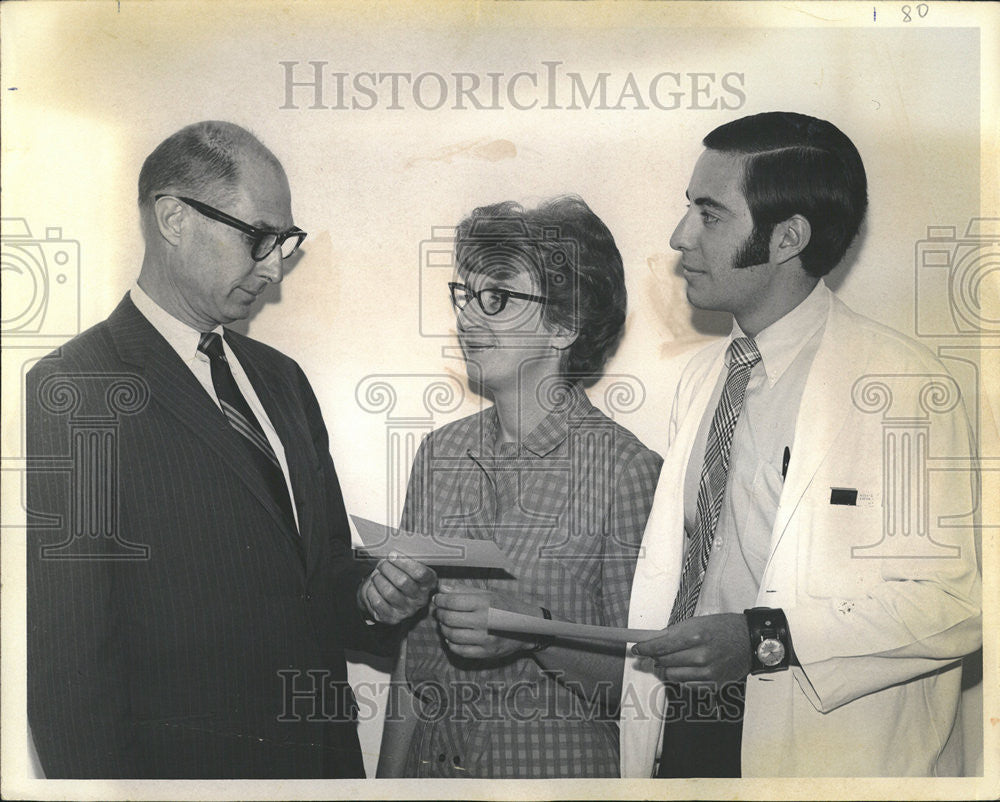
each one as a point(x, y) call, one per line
point(165, 592)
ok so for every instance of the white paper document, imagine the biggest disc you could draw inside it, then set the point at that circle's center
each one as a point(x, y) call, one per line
point(379, 540)
point(507, 621)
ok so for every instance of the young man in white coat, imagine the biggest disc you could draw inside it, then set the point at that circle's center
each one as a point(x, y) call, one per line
point(816, 587)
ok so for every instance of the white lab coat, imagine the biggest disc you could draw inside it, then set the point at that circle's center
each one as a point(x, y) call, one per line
point(877, 630)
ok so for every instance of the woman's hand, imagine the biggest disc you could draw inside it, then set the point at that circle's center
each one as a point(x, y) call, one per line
point(462, 620)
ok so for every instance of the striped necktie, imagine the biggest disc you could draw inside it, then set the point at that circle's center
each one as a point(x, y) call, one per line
point(743, 355)
point(245, 423)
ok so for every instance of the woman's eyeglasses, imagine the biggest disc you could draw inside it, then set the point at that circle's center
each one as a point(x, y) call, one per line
point(492, 300)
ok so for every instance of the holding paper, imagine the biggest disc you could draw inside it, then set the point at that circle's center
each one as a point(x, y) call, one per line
point(379, 540)
point(506, 621)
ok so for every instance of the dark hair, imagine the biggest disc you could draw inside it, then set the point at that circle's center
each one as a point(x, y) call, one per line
point(573, 258)
point(201, 160)
point(796, 164)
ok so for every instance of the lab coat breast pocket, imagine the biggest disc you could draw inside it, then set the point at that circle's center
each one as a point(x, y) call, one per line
point(843, 522)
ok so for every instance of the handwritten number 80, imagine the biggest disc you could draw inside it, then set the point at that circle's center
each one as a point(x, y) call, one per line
point(922, 9)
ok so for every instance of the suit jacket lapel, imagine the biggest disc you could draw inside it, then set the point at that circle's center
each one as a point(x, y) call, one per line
point(175, 389)
point(289, 422)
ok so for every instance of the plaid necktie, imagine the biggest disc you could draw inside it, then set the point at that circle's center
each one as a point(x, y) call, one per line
point(242, 419)
point(743, 355)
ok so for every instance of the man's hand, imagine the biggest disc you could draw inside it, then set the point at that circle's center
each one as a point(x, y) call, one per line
point(462, 621)
point(706, 648)
point(397, 588)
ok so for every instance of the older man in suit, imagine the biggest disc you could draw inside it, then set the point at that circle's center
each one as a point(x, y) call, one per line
point(797, 549)
point(191, 587)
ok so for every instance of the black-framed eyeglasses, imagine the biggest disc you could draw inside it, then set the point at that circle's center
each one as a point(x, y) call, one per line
point(492, 300)
point(263, 242)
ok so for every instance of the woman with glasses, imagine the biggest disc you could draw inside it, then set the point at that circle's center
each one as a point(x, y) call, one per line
point(564, 492)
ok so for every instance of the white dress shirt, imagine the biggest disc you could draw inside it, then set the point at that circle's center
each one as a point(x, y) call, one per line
point(765, 428)
point(184, 340)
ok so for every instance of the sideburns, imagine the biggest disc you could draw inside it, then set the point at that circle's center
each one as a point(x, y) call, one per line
point(755, 250)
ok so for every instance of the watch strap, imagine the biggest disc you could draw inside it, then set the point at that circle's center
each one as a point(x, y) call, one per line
point(766, 623)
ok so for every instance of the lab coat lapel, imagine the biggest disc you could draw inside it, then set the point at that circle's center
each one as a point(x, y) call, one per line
point(825, 406)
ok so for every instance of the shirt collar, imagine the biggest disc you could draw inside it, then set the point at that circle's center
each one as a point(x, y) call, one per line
point(782, 341)
point(549, 433)
point(181, 337)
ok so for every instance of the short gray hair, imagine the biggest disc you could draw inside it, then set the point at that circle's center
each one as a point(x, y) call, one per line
point(201, 160)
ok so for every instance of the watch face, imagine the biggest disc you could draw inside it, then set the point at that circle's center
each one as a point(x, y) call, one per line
point(770, 652)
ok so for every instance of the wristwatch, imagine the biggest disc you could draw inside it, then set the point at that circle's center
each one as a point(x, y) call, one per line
point(770, 644)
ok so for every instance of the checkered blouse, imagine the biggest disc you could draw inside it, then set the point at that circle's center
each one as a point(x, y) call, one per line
point(568, 505)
